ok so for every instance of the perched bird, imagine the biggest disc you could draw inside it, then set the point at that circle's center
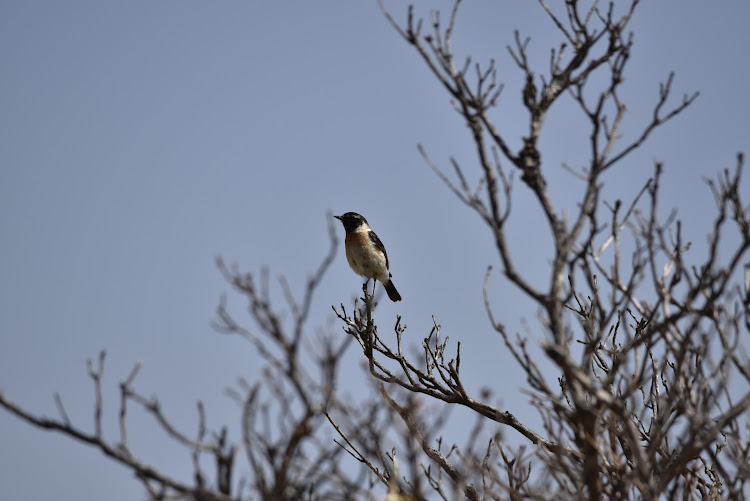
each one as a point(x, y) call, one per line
point(366, 253)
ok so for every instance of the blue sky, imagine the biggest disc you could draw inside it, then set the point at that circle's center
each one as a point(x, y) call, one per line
point(139, 140)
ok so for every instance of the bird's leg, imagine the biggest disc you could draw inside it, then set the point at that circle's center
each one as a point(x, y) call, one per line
point(366, 289)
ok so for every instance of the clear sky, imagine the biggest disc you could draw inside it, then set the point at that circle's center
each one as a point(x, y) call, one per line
point(139, 140)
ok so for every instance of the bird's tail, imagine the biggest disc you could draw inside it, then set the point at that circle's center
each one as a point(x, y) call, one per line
point(392, 292)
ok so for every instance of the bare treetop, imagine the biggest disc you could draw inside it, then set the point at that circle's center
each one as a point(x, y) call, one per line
point(646, 341)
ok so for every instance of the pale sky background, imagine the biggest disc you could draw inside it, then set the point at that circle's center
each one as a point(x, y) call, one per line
point(139, 140)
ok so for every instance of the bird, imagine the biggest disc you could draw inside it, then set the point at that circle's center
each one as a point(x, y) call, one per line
point(366, 253)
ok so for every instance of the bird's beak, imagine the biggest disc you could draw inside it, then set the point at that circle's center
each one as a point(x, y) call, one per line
point(338, 217)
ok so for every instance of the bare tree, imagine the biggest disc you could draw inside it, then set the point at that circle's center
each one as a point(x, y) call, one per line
point(287, 443)
point(650, 393)
point(645, 342)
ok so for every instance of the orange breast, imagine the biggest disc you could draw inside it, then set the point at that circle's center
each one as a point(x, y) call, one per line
point(364, 257)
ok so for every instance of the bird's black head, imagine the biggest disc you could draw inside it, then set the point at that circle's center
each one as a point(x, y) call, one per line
point(351, 221)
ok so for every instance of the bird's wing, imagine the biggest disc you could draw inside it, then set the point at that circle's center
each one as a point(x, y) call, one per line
point(375, 240)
